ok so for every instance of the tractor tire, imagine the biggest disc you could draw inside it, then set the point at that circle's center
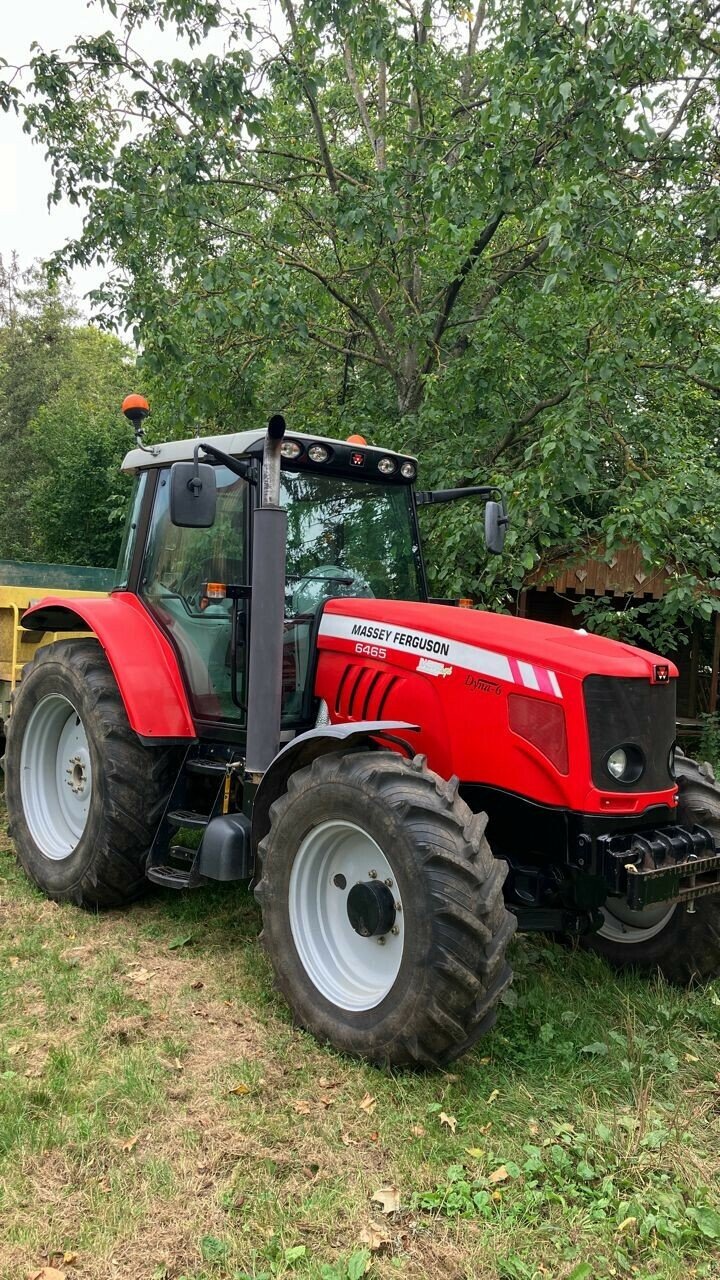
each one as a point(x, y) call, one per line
point(383, 912)
point(683, 945)
point(84, 796)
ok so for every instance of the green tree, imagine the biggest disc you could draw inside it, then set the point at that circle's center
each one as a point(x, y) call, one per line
point(61, 384)
point(490, 234)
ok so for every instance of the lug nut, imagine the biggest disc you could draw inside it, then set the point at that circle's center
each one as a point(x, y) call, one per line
point(398, 906)
point(381, 942)
point(395, 930)
point(373, 875)
point(389, 884)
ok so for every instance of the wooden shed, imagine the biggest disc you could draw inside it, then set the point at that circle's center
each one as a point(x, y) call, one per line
point(553, 591)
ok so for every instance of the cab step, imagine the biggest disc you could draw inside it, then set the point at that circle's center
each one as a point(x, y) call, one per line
point(206, 767)
point(175, 878)
point(188, 818)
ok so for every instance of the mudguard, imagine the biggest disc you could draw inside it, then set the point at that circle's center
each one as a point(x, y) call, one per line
point(142, 659)
point(318, 742)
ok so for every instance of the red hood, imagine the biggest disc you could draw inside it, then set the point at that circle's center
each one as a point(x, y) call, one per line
point(562, 650)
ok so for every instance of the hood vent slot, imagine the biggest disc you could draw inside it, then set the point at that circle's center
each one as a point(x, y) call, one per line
point(363, 691)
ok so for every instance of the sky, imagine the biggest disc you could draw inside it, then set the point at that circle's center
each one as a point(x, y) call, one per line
point(26, 224)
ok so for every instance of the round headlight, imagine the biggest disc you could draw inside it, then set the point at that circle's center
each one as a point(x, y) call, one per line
point(617, 763)
point(626, 763)
point(408, 470)
point(290, 449)
point(318, 453)
point(386, 466)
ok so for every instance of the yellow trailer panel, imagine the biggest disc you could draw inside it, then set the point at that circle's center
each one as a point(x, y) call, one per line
point(18, 646)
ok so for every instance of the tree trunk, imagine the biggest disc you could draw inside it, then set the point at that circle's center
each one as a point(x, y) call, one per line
point(409, 383)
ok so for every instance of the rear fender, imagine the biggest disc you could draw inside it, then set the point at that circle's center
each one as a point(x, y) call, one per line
point(142, 659)
point(319, 742)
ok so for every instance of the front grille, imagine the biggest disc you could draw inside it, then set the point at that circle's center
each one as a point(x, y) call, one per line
point(621, 711)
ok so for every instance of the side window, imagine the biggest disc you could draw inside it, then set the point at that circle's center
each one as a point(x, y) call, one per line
point(178, 563)
point(127, 547)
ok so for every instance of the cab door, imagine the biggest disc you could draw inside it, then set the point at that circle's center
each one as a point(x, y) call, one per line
point(209, 634)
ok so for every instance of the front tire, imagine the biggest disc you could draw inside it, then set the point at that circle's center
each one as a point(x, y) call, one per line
point(421, 983)
point(680, 942)
point(84, 797)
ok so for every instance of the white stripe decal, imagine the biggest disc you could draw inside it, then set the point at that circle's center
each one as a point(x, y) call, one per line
point(424, 644)
point(406, 639)
point(529, 678)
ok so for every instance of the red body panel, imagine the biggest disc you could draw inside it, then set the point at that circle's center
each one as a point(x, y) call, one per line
point(142, 659)
point(452, 670)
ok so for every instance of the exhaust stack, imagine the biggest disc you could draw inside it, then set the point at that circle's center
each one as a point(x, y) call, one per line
point(267, 612)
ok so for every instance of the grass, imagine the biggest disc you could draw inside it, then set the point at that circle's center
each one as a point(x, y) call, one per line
point(161, 1118)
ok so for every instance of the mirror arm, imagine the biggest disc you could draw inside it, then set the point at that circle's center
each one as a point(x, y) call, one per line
point(431, 497)
point(244, 470)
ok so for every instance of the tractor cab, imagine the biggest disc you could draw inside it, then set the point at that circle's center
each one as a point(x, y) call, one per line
point(351, 532)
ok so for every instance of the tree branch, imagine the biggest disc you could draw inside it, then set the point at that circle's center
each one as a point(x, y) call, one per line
point(499, 283)
point(355, 352)
point(312, 103)
point(524, 421)
point(359, 97)
point(382, 114)
point(473, 37)
point(712, 387)
point(453, 289)
point(351, 307)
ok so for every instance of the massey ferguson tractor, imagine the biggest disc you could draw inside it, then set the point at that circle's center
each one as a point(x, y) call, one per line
point(270, 695)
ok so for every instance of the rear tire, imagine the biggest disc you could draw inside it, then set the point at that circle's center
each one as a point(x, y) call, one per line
point(84, 797)
point(685, 947)
point(428, 991)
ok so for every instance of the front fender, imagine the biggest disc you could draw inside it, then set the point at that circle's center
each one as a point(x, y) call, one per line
point(142, 659)
point(304, 748)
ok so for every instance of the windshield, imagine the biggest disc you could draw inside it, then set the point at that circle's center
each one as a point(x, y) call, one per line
point(348, 538)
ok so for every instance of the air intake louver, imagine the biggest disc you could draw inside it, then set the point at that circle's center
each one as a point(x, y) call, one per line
point(363, 692)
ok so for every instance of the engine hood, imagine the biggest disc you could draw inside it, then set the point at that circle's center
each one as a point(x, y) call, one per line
point(514, 649)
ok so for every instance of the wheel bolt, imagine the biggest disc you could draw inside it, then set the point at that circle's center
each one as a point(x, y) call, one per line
point(389, 884)
point(398, 906)
point(395, 930)
point(373, 875)
point(381, 942)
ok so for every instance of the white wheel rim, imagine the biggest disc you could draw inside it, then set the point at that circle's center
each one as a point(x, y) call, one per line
point(621, 924)
point(55, 777)
point(353, 972)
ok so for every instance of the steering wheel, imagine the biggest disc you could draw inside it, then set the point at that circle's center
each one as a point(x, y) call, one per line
point(324, 583)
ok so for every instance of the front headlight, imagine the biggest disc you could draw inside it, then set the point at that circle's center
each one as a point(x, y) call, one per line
point(626, 763)
point(617, 763)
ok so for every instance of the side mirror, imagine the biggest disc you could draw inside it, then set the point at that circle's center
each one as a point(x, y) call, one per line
point(193, 495)
point(496, 523)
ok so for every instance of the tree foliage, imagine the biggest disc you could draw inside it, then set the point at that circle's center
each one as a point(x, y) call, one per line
point(61, 384)
point(488, 235)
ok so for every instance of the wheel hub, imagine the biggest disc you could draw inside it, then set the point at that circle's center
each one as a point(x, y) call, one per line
point(77, 772)
point(343, 893)
point(371, 909)
point(55, 777)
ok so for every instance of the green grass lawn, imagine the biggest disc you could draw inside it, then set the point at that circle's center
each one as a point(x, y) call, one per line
point(161, 1118)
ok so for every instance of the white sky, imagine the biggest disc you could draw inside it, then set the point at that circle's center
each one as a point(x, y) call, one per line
point(26, 223)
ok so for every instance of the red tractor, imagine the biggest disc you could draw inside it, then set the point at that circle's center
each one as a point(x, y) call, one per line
point(270, 695)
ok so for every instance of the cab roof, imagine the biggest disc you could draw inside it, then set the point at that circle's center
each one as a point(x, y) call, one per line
point(236, 443)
